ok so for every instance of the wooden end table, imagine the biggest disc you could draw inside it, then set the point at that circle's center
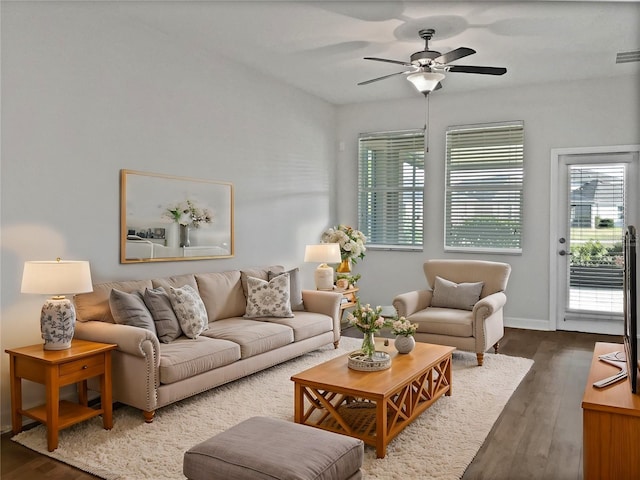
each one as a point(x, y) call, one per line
point(373, 406)
point(349, 297)
point(55, 369)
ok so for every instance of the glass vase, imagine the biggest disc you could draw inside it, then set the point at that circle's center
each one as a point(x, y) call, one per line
point(368, 345)
point(184, 236)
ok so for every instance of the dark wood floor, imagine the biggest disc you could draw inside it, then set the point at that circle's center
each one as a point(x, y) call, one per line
point(538, 435)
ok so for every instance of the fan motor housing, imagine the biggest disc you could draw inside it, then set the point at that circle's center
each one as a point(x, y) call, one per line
point(424, 57)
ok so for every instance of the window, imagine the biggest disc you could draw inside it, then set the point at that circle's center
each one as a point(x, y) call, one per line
point(483, 191)
point(391, 189)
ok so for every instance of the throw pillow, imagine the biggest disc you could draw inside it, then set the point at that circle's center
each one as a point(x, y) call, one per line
point(295, 291)
point(189, 309)
point(129, 309)
point(449, 294)
point(167, 324)
point(268, 299)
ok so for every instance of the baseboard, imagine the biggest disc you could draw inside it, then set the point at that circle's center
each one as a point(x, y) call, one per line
point(528, 323)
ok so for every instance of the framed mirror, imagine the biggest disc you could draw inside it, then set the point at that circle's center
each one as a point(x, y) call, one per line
point(167, 218)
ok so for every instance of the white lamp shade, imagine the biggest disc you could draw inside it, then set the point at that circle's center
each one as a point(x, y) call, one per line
point(425, 82)
point(323, 253)
point(56, 277)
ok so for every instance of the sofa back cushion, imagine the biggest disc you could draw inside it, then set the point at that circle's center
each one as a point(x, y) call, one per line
point(175, 281)
point(95, 305)
point(222, 294)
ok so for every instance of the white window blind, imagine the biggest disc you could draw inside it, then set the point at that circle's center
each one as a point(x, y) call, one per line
point(483, 191)
point(391, 189)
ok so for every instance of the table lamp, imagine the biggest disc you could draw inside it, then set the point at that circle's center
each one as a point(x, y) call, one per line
point(57, 278)
point(323, 253)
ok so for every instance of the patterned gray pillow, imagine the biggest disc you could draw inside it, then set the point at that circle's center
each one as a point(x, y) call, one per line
point(463, 296)
point(190, 310)
point(268, 299)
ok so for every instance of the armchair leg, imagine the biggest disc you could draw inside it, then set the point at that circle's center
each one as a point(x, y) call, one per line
point(480, 358)
point(496, 346)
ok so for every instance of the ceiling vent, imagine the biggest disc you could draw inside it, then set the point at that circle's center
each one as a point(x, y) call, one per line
point(625, 57)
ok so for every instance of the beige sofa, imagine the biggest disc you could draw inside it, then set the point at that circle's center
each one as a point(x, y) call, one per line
point(463, 306)
point(149, 374)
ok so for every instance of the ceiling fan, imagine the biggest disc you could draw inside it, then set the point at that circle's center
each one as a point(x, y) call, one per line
point(428, 66)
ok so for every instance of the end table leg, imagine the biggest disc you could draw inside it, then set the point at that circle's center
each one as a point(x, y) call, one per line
point(106, 394)
point(53, 407)
point(16, 397)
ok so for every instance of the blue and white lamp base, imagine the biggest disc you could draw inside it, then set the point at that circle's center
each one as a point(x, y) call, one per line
point(57, 323)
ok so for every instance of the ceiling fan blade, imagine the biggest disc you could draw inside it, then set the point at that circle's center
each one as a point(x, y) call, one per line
point(438, 86)
point(482, 70)
point(454, 55)
point(382, 78)
point(389, 61)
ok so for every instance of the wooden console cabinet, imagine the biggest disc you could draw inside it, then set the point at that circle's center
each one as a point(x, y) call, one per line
point(611, 423)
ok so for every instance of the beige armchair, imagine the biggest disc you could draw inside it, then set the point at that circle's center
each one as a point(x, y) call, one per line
point(462, 308)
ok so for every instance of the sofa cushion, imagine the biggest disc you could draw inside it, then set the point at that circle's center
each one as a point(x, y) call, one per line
point(295, 288)
point(175, 281)
point(95, 305)
point(129, 309)
point(305, 324)
point(253, 336)
point(189, 309)
point(268, 298)
point(444, 321)
point(167, 324)
point(222, 294)
point(184, 357)
point(447, 294)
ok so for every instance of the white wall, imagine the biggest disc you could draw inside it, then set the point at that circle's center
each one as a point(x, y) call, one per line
point(592, 113)
point(86, 93)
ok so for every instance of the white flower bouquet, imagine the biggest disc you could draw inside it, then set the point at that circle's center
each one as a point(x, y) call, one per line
point(351, 241)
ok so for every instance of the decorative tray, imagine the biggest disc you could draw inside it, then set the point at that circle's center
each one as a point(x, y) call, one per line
point(379, 361)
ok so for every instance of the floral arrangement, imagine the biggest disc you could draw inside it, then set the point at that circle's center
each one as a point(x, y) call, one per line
point(187, 213)
point(351, 241)
point(351, 279)
point(402, 326)
point(366, 319)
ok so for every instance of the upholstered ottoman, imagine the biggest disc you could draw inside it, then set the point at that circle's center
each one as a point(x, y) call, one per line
point(268, 448)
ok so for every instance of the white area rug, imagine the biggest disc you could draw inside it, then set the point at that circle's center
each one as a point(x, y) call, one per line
point(440, 444)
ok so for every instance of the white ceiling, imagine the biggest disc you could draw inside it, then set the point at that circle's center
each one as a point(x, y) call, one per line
point(319, 46)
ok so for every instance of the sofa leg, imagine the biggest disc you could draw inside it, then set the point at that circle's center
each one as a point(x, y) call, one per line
point(496, 346)
point(336, 343)
point(148, 416)
point(480, 358)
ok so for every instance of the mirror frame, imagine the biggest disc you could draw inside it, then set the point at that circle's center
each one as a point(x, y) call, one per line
point(147, 226)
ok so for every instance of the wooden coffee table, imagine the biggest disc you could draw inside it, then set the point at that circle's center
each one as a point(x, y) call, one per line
point(373, 406)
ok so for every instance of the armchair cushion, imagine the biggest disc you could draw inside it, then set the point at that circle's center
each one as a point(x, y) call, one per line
point(463, 296)
point(444, 321)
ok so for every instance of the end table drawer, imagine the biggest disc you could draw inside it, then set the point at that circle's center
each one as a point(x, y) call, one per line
point(83, 368)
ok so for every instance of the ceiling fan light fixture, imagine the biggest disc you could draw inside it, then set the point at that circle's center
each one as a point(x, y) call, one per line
point(425, 82)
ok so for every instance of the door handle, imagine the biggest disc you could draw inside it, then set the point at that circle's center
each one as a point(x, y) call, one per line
point(562, 253)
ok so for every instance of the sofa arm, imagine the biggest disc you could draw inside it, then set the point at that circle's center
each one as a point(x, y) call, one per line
point(135, 341)
point(486, 306)
point(411, 302)
point(328, 303)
